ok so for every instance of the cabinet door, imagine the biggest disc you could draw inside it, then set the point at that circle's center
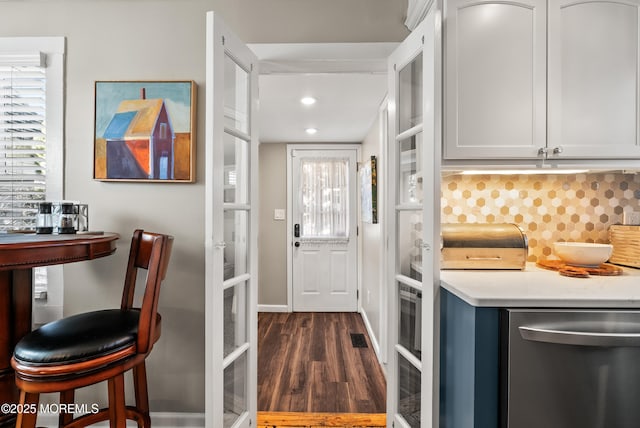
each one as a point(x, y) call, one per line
point(593, 79)
point(495, 79)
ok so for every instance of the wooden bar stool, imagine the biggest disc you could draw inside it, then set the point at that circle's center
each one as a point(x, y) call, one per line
point(88, 348)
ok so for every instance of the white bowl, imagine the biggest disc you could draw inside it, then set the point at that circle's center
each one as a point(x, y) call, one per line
point(582, 253)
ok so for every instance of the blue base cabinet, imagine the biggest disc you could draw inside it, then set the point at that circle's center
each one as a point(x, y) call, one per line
point(469, 364)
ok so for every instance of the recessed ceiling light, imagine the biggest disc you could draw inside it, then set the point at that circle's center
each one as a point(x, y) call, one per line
point(311, 131)
point(308, 101)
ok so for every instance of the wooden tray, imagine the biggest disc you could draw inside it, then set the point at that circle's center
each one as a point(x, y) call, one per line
point(604, 269)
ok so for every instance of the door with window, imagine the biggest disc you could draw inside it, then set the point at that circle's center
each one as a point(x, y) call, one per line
point(230, 229)
point(324, 252)
point(413, 211)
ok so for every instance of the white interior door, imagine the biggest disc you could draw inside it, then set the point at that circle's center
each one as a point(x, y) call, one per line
point(324, 252)
point(413, 196)
point(230, 229)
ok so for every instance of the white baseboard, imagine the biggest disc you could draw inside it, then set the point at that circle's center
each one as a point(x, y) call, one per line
point(158, 420)
point(177, 420)
point(273, 308)
point(374, 339)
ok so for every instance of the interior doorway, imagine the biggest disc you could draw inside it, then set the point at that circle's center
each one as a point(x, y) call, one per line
point(349, 89)
point(412, 379)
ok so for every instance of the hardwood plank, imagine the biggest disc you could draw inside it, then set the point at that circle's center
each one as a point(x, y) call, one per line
point(333, 352)
point(271, 342)
point(299, 382)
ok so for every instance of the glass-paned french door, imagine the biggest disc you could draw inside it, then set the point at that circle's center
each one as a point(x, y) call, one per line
point(413, 201)
point(231, 229)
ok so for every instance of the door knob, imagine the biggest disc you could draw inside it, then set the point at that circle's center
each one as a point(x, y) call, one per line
point(297, 244)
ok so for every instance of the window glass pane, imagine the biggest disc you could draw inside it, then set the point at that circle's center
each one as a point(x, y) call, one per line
point(409, 392)
point(324, 193)
point(235, 315)
point(410, 323)
point(410, 94)
point(410, 170)
point(22, 145)
point(236, 96)
point(235, 390)
point(409, 243)
point(236, 170)
point(236, 230)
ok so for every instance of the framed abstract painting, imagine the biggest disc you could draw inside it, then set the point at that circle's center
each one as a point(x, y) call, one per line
point(145, 131)
point(369, 191)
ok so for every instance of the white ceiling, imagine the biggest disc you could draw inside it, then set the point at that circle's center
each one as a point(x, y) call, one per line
point(348, 80)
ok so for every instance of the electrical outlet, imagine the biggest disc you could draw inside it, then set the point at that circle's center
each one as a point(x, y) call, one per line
point(631, 218)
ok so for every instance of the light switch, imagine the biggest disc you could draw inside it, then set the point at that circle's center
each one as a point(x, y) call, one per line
point(279, 214)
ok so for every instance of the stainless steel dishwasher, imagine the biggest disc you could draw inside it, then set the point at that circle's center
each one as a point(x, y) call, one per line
point(570, 369)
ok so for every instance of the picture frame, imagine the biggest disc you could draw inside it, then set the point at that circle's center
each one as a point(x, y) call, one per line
point(144, 131)
point(369, 191)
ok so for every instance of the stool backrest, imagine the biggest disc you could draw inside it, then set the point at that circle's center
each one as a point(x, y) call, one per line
point(149, 251)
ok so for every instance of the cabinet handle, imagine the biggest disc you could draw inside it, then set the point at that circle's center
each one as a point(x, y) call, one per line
point(557, 150)
point(584, 338)
point(542, 151)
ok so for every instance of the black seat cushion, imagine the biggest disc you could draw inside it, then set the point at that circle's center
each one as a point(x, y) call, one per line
point(79, 338)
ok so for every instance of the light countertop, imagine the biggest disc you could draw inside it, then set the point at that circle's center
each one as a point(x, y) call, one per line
point(540, 288)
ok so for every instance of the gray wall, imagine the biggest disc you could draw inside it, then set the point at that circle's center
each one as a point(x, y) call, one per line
point(272, 238)
point(165, 40)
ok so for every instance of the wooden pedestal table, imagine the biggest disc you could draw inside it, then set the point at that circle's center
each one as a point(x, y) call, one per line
point(19, 254)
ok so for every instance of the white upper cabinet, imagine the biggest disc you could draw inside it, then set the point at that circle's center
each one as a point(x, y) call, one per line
point(593, 79)
point(495, 79)
point(521, 83)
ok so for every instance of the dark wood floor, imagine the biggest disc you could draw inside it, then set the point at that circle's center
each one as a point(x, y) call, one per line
point(307, 363)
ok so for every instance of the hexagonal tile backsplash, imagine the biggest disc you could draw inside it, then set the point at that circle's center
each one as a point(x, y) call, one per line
point(549, 208)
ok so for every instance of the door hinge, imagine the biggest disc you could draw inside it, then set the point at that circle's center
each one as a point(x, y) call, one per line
point(223, 40)
point(357, 230)
point(357, 294)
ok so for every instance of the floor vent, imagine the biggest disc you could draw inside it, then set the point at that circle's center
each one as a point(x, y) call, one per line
point(358, 340)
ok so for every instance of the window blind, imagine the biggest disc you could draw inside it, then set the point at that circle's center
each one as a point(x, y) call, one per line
point(22, 145)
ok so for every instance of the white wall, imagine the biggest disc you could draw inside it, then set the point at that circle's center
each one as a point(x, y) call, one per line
point(165, 40)
point(371, 292)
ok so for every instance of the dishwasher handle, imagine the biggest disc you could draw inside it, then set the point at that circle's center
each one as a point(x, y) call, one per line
point(567, 337)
